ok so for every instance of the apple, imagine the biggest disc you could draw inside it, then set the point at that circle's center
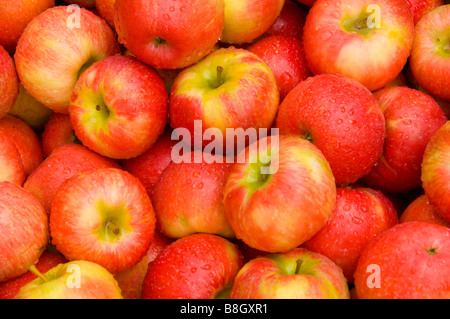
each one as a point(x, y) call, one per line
point(408, 261)
point(197, 266)
point(400, 80)
point(188, 198)
point(149, 166)
point(57, 132)
point(284, 55)
point(419, 8)
point(435, 172)
point(106, 10)
point(11, 166)
point(412, 117)
point(25, 230)
point(28, 109)
point(48, 260)
point(246, 20)
point(119, 107)
point(421, 210)
point(9, 83)
point(169, 34)
point(104, 216)
point(368, 40)
point(342, 118)
point(277, 168)
point(131, 280)
point(63, 163)
point(53, 52)
point(429, 60)
point(79, 279)
point(26, 141)
point(360, 214)
point(296, 274)
point(15, 17)
point(230, 89)
point(290, 21)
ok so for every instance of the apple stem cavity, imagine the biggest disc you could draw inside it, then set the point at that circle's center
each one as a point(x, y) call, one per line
point(219, 76)
point(35, 271)
point(299, 266)
point(361, 24)
point(113, 228)
point(159, 41)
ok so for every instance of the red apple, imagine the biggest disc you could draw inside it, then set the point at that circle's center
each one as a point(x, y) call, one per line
point(188, 199)
point(290, 21)
point(284, 55)
point(412, 117)
point(435, 171)
point(119, 107)
point(15, 17)
point(230, 89)
point(256, 192)
point(9, 83)
point(400, 80)
point(360, 214)
point(131, 280)
point(10, 288)
point(26, 141)
point(149, 166)
point(57, 132)
point(429, 60)
point(408, 261)
point(169, 34)
point(77, 279)
point(198, 266)
point(54, 50)
point(419, 8)
point(104, 216)
point(106, 10)
point(368, 40)
point(25, 230)
point(296, 274)
point(342, 118)
point(63, 163)
point(11, 166)
point(421, 210)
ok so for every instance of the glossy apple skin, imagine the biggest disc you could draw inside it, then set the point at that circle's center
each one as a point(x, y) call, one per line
point(246, 20)
point(247, 98)
point(87, 203)
point(50, 55)
point(25, 230)
point(419, 8)
point(95, 283)
point(274, 277)
point(10, 288)
point(19, 14)
point(198, 266)
point(106, 10)
point(149, 166)
point(413, 254)
point(429, 61)
point(286, 59)
point(136, 107)
point(343, 119)
point(11, 166)
point(257, 209)
point(63, 163)
point(435, 171)
point(9, 83)
point(168, 21)
point(188, 199)
point(290, 21)
point(26, 141)
point(332, 47)
point(421, 210)
point(360, 214)
point(131, 280)
point(412, 117)
point(57, 132)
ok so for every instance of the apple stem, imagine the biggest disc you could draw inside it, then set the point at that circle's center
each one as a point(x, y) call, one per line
point(361, 24)
point(113, 228)
point(100, 107)
point(35, 271)
point(219, 76)
point(299, 265)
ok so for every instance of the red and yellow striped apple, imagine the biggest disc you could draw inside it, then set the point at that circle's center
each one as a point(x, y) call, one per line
point(421, 210)
point(9, 83)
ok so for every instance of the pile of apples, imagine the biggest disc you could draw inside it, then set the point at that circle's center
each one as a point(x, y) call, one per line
point(122, 175)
